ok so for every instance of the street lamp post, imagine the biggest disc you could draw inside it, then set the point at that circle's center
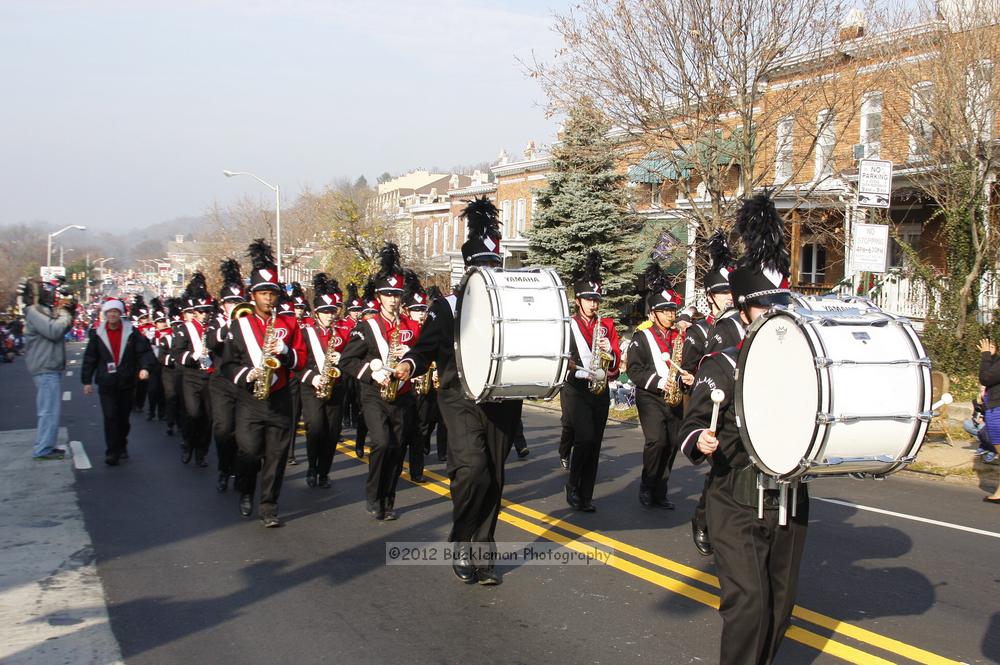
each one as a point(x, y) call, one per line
point(277, 209)
point(48, 252)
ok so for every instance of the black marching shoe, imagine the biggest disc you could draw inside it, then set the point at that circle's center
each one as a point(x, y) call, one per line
point(487, 576)
point(522, 453)
point(374, 509)
point(564, 461)
point(110, 460)
point(646, 498)
point(324, 482)
point(292, 461)
point(270, 521)
point(573, 498)
point(222, 484)
point(311, 477)
point(186, 454)
point(417, 478)
point(587, 506)
point(246, 505)
point(462, 563)
point(664, 502)
point(390, 511)
point(359, 451)
point(701, 540)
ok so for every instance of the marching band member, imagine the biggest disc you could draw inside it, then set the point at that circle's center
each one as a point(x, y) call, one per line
point(352, 404)
point(195, 361)
point(585, 404)
point(371, 354)
point(324, 340)
point(479, 435)
point(258, 341)
point(157, 400)
point(649, 367)
point(415, 305)
point(369, 310)
point(292, 303)
point(139, 313)
point(222, 392)
point(428, 412)
point(757, 559)
point(169, 371)
point(700, 336)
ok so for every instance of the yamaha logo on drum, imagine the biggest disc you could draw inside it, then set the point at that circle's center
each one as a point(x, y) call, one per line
point(527, 279)
point(780, 332)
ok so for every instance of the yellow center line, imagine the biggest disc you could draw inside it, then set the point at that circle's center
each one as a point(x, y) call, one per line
point(811, 639)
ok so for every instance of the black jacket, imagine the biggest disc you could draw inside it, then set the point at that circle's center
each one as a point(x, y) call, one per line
point(135, 353)
point(989, 376)
point(437, 344)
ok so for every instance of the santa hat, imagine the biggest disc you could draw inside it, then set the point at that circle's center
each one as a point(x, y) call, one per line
point(112, 303)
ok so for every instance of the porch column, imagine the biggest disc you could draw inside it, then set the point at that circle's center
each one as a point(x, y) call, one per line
point(691, 268)
point(796, 249)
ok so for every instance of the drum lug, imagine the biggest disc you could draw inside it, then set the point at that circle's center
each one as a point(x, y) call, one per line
point(823, 362)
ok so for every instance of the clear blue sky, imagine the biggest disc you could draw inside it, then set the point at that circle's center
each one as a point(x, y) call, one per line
point(124, 113)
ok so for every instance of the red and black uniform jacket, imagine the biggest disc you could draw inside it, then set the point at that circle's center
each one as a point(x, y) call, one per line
point(646, 366)
point(244, 350)
point(370, 341)
point(317, 341)
point(582, 342)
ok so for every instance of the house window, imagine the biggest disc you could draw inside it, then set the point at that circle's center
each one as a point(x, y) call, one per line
point(825, 140)
point(520, 217)
point(505, 218)
point(783, 152)
point(454, 232)
point(427, 236)
point(909, 234)
point(812, 264)
point(444, 237)
point(919, 120)
point(871, 124)
point(979, 102)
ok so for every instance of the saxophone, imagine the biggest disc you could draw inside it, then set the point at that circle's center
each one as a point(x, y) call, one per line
point(672, 393)
point(600, 361)
point(428, 380)
point(205, 362)
point(269, 363)
point(388, 392)
point(330, 371)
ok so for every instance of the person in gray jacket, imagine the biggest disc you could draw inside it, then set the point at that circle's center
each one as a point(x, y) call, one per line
point(45, 356)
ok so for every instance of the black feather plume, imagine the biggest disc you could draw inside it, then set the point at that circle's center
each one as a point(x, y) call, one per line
point(763, 234)
point(297, 291)
point(261, 255)
point(230, 271)
point(138, 303)
point(197, 287)
point(718, 250)
point(411, 282)
point(388, 258)
point(482, 218)
point(352, 292)
point(333, 286)
point(654, 278)
point(320, 284)
point(592, 267)
point(156, 304)
point(174, 307)
point(369, 292)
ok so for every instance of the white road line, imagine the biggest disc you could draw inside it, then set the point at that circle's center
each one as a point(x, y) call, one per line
point(80, 459)
point(925, 520)
point(67, 396)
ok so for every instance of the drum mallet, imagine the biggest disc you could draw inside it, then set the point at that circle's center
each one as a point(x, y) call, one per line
point(945, 400)
point(717, 397)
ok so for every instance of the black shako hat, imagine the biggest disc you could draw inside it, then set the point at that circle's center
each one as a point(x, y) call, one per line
point(326, 293)
point(354, 303)
point(761, 277)
point(389, 278)
point(298, 296)
point(589, 285)
point(197, 293)
point(483, 232)
point(264, 275)
point(661, 291)
point(414, 298)
point(232, 282)
point(159, 313)
point(717, 278)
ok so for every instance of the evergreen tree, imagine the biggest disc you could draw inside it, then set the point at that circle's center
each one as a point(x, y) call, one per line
point(584, 207)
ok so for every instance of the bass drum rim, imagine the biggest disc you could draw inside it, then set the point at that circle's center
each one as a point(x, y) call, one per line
point(494, 366)
point(818, 438)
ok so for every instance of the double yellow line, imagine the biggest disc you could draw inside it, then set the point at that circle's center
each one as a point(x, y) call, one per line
point(555, 530)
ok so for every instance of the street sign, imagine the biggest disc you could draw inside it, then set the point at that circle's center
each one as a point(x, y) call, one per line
point(51, 272)
point(874, 183)
point(869, 247)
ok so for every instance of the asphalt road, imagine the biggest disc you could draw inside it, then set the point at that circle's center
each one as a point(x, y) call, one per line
point(188, 580)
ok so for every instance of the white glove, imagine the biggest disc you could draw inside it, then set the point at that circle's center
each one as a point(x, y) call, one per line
point(604, 345)
point(380, 375)
point(402, 350)
point(662, 385)
point(317, 381)
point(582, 374)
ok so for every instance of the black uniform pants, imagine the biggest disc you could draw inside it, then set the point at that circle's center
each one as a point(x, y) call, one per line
point(757, 562)
point(223, 395)
point(390, 424)
point(172, 396)
point(479, 439)
point(155, 395)
point(587, 415)
point(323, 423)
point(428, 418)
point(660, 427)
point(294, 386)
point(262, 445)
point(700, 518)
point(565, 438)
point(116, 406)
point(197, 425)
point(352, 402)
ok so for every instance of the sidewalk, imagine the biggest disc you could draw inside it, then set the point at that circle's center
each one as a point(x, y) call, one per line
point(52, 606)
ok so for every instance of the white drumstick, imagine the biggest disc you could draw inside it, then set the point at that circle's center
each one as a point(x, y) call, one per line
point(717, 397)
point(945, 399)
